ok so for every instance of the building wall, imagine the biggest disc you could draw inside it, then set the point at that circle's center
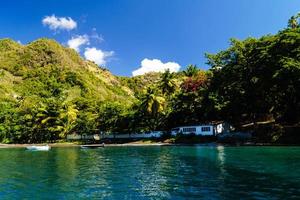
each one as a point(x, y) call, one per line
point(198, 130)
point(155, 134)
point(214, 130)
point(222, 128)
point(201, 132)
point(81, 137)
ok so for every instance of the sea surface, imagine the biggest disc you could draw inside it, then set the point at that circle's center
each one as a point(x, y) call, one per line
point(154, 172)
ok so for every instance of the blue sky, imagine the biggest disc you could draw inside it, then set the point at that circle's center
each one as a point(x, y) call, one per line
point(127, 32)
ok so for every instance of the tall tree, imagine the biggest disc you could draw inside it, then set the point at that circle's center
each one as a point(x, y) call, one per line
point(294, 21)
point(68, 116)
point(167, 83)
point(152, 106)
point(152, 103)
point(191, 70)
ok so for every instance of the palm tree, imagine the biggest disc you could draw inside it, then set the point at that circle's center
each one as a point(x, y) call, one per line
point(167, 83)
point(293, 21)
point(46, 121)
point(151, 103)
point(191, 70)
point(153, 106)
point(68, 116)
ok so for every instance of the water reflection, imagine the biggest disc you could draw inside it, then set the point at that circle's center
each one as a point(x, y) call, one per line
point(150, 173)
point(221, 159)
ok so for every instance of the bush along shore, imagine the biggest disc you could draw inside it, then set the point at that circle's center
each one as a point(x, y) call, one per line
point(48, 91)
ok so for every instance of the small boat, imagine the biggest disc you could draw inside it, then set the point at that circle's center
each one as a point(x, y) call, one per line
point(91, 146)
point(39, 148)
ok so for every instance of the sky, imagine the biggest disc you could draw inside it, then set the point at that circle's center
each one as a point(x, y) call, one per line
point(132, 37)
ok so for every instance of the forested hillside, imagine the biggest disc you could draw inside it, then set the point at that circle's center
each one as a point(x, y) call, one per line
point(257, 81)
point(49, 91)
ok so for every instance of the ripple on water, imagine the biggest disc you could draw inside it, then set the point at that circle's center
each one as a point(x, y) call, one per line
point(151, 173)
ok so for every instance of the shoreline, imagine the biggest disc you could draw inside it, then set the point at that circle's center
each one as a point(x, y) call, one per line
point(4, 146)
point(141, 144)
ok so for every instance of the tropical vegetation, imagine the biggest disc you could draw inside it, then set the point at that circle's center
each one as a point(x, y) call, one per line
point(48, 91)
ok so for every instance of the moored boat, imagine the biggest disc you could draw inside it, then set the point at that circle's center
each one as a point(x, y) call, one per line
point(39, 148)
point(92, 146)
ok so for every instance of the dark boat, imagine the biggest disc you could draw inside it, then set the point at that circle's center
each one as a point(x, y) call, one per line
point(91, 146)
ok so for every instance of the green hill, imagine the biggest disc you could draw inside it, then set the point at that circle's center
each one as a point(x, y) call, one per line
point(39, 67)
point(43, 73)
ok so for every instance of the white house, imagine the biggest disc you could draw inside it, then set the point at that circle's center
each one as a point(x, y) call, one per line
point(197, 130)
point(203, 129)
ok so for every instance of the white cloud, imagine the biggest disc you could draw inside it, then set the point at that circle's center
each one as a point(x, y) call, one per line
point(97, 55)
point(76, 42)
point(96, 36)
point(155, 65)
point(59, 23)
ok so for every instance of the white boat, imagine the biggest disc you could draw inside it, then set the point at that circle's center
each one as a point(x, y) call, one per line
point(39, 148)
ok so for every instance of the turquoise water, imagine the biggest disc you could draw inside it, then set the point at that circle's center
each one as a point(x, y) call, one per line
point(184, 172)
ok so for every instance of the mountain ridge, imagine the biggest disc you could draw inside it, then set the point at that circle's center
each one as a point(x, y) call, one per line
point(45, 55)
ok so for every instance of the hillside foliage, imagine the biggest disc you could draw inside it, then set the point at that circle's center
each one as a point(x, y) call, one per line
point(48, 91)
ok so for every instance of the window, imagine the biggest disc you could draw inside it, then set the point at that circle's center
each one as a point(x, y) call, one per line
point(205, 129)
point(189, 130)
